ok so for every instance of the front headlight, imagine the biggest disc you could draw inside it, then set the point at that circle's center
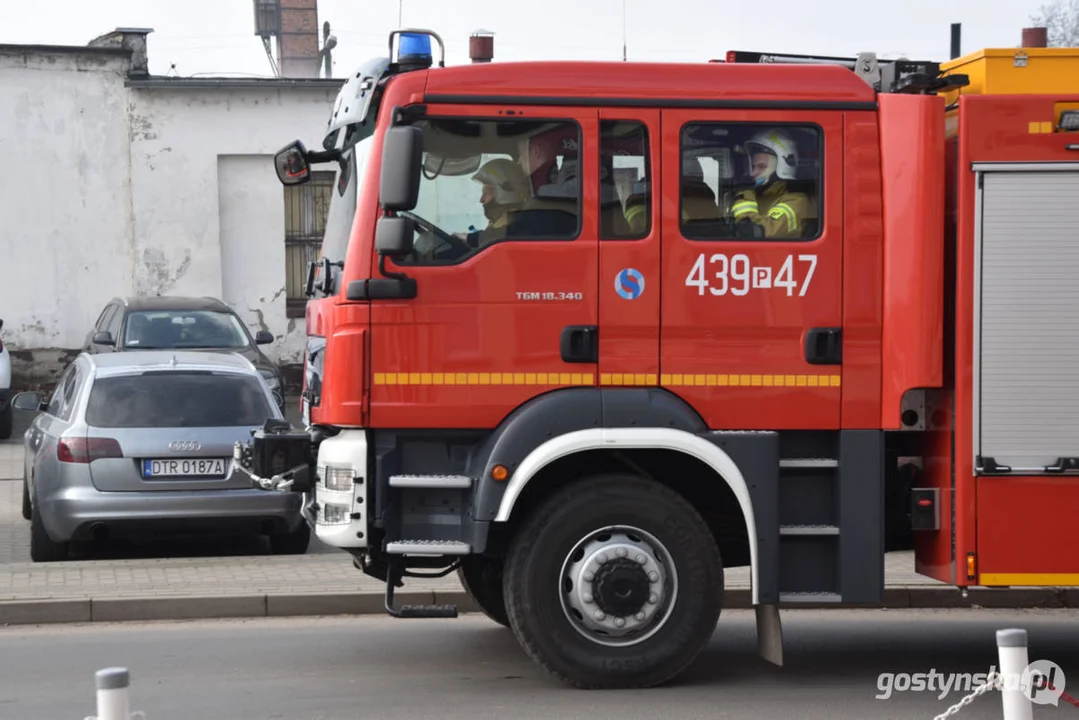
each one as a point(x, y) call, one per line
point(337, 478)
point(270, 378)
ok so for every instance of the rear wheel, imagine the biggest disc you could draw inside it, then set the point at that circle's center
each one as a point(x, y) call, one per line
point(482, 580)
point(614, 582)
point(293, 543)
point(7, 422)
point(26, 508)
point(42, 547)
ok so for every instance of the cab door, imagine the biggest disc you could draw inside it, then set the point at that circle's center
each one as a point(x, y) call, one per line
point(496, 324)
point(629, 247)
point(750, 326)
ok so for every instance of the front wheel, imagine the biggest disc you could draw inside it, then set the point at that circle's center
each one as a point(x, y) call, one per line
point(614, 582)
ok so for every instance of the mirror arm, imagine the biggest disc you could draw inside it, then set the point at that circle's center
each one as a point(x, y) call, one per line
point(315, 157)
point(387, 273)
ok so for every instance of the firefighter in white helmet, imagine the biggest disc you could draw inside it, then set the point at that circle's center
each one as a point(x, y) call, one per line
point(504, 189)
point(781, 213)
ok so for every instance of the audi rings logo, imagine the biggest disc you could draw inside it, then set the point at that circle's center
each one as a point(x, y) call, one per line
point(185, 445)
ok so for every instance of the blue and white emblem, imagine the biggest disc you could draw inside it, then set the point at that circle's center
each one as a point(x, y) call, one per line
point(629, 284)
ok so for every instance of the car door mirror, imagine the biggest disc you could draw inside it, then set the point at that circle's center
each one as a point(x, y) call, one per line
point(103, 337)
point(263, 337)
point(31, 401)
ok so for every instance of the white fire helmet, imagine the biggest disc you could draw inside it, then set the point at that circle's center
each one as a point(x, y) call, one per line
point(781, 145)
point(507, 178)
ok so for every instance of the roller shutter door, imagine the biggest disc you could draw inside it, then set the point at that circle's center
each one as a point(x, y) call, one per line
point(1028, 379)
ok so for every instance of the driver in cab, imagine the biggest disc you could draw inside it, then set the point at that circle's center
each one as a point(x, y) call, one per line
point(780, 212)
point(504, 189)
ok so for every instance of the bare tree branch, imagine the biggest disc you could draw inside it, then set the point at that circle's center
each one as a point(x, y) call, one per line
point(1061, 19)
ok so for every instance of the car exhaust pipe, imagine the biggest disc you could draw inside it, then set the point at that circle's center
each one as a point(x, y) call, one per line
point(99, 532)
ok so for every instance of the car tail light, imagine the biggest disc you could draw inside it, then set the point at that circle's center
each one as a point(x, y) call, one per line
point(84, 450)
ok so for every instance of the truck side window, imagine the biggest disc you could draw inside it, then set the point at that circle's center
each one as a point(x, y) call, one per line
point(750, 181)
point(625, 180)
point(485, 182)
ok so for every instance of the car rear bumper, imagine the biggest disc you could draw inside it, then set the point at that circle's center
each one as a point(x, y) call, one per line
point(84, 513)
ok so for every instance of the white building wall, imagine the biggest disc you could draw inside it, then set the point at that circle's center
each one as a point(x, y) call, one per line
point(132, 190)
point(219, 144)
point(65, 215)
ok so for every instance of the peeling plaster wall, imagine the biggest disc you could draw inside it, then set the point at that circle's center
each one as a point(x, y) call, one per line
point(122, 196)
point(247, 231)
point(65, 222)
point(221, 144)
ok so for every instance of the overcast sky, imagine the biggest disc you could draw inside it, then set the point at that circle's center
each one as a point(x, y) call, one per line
point(217, 36)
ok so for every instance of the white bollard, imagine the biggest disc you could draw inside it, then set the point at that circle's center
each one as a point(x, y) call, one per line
point(1012, 647)
point(112, 694)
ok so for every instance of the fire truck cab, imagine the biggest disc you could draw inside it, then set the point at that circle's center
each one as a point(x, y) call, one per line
point(603, 330)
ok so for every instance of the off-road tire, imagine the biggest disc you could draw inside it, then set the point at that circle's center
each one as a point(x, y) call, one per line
point(27, 509)
point(532, 582)
point(293, 543)
point(7, 422)
point(42, 547)
point(481, 578)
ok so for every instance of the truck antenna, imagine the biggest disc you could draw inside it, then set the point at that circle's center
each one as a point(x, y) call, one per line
point(623, 30)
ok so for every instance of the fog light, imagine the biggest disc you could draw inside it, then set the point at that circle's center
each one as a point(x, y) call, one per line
point(336, 478)
point(335, 514)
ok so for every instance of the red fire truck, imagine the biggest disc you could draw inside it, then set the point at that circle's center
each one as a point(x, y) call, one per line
point(715, 315)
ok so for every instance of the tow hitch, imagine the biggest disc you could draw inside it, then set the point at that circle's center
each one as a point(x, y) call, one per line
point(278, 458)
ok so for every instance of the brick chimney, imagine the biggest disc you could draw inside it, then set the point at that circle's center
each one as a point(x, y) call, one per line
point(481, 46)
point(1036, 37)
point(133, 39)
point(297, 41)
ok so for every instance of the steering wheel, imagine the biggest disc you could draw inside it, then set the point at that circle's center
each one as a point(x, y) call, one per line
point(438, 232)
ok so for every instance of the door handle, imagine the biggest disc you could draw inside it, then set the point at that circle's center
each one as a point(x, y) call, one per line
point(824, 346)
point(580, 344)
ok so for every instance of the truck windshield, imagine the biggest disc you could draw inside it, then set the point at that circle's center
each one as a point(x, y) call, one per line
point(343, 199)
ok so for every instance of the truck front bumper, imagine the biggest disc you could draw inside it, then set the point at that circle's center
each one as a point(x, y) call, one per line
point(331, 473)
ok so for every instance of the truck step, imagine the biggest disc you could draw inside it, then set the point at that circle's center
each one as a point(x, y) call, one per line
point(440, 482)
point(424, 611)
point(393, 576)
point(428, 547)
point(808, 530)
point(810, 597)
point(808, 463)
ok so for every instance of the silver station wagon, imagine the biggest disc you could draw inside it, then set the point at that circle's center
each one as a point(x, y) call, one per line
point(140, 444)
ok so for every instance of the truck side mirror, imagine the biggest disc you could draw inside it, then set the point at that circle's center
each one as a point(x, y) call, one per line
point(402, 154)
point(395, 236)
point(291, 164)
point(103, 337)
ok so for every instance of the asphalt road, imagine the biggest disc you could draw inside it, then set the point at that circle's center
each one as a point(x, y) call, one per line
point(471, 669)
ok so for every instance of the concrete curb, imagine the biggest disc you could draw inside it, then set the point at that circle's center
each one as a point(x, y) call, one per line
point(88, 610)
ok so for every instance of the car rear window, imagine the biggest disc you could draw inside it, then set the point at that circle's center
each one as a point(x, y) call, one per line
point(177, 399)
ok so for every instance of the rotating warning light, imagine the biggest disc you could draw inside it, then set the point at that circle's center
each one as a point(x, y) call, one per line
point(414, 49)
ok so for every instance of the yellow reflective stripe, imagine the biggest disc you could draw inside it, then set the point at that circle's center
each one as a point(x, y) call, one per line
point(744, 207)
point(633, 211)
point(783, 210)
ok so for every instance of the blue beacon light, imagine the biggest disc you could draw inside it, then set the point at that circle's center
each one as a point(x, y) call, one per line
point(414, 49)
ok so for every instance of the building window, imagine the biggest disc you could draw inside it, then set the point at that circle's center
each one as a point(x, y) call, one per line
point(491, 181)
point(625, 180)
point(751, 181)
point(305, 223)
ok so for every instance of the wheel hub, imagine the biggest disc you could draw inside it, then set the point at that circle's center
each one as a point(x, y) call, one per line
point(618, 585)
